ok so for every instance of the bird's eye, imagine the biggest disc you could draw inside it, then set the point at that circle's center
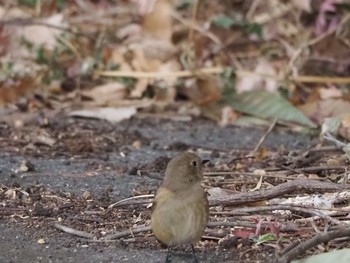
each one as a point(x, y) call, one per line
point(194, 163)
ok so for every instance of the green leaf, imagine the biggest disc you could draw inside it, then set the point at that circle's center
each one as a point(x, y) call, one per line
point(253, 29)
point(40, 55)
point(268, 105)
point(226, 22)
point(265, 238)
point(184, 4)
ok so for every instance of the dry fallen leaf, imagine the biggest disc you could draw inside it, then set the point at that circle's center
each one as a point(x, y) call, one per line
point(11, 194)
point(329, 93)
point(258, 81)
point(158, 22)
point(37, 35)
point(110, 114)
point(319, 110)
point(205, 91)
point(304, 5)
point(344, 129)
point(11, 90)
point(228, 116)
point(26, 166)
point(107, 93)
point(144, 6)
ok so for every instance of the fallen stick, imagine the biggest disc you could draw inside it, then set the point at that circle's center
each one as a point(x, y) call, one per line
point(298, 186)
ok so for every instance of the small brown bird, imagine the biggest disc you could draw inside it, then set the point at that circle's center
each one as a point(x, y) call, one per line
point(180, 210)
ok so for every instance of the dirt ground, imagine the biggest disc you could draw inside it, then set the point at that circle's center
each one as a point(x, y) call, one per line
point(68, 171)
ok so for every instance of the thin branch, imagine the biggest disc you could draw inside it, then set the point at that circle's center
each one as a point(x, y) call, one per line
point(73, 231)
point(196, 27)
point(193, 20)
point(316, 240)
point(218, 70)
point(128, 232)
point(178, 74)
point(298, 186)
point(283, 227)
point(130, 198)
point(279, 174)
point(315, 169)
point(273, 124)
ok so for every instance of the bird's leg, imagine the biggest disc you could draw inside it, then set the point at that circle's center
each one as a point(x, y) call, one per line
point(168, 256)
point(194, 254)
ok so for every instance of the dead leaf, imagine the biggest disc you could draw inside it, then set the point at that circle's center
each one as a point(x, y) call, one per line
point(243, 233)
point(107, 93)
point(319, 110)
point(11, 90)
point(10, 194)
point(144, 6)
point(344, 129)
point(38, 35)
point(117, 55)
point(158, 22)
point(155, 49)
point(140, 63)
point(228, 116)
point(129, 33)
point(304, 5)
point(139, 88)
point(110, 114)
point(26, 166)
point(258, 81)
point(137, 144)
point(329, 93)
point(205, 91)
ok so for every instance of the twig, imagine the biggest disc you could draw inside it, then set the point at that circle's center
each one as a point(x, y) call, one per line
point(325, 149)
point(304, 209)
point(72, 231)
point(196, 27)
point(318, 79)
point(265, 135)
point(296, 208)
point(211, 238)
point(218, 70)
point(277, 191)
point(329, 137)
point(283, 227)
point(315, 169)
point(178, 74)
point(279, 171)
point(252, 10)
point(149, 174)
point(193, 20)
point(128, 232)
point(130, 198)
point(303, 46)
point(318, 239)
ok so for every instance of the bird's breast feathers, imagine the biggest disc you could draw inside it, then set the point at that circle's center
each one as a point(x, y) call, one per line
point(179, 218)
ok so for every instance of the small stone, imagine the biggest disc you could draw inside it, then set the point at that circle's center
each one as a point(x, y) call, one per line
point(41, 241)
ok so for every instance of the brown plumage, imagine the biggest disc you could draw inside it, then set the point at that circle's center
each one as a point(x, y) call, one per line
point(180, 209)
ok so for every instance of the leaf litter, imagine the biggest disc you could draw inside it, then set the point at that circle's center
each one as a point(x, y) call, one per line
point(280, 62)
